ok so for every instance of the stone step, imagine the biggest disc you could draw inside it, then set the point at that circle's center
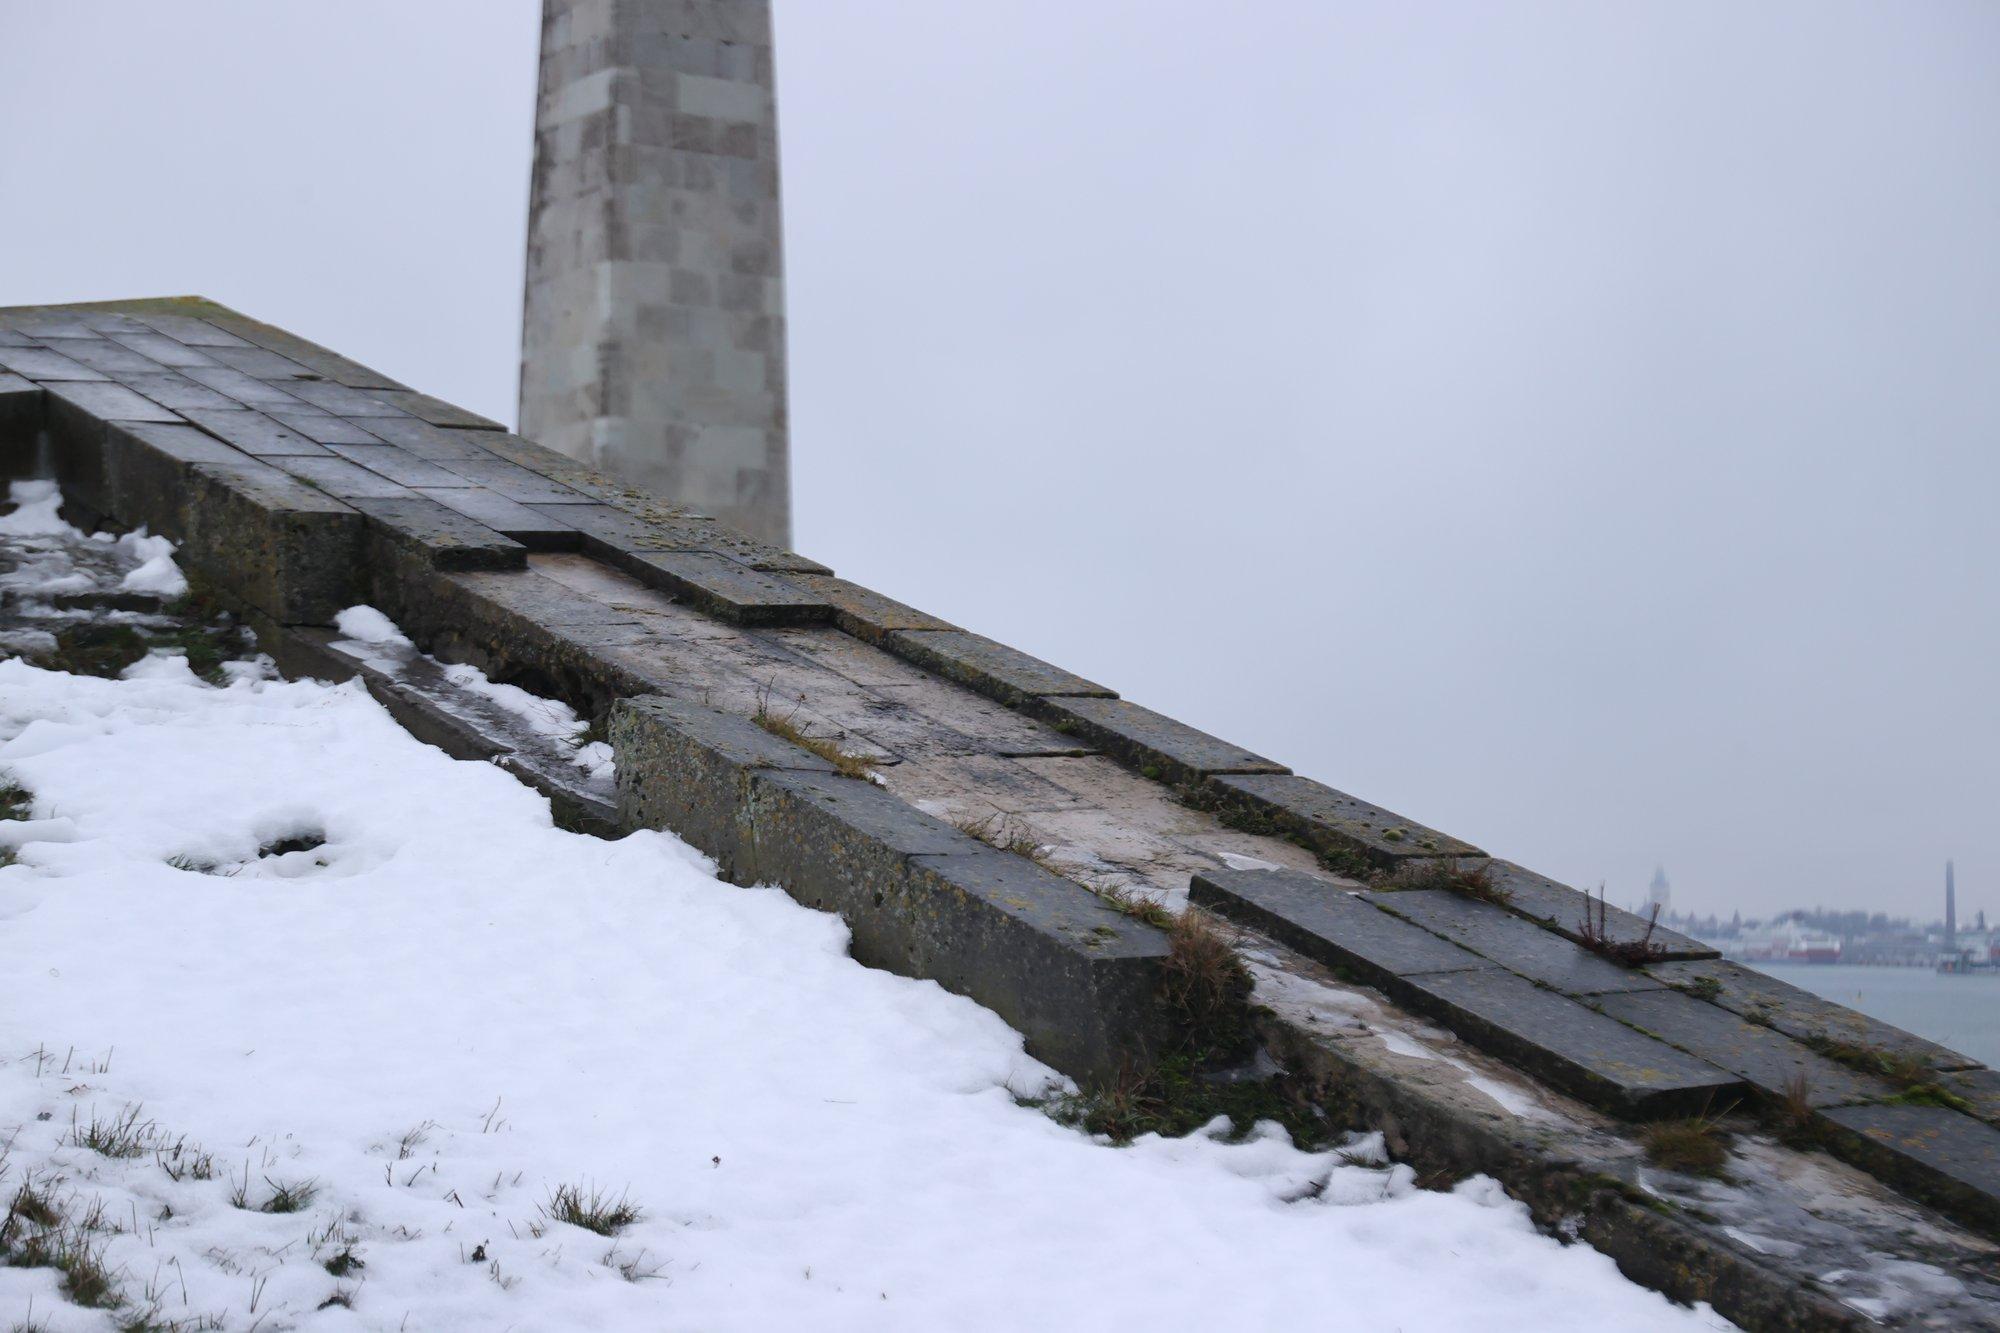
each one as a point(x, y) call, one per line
point(1557, 1039)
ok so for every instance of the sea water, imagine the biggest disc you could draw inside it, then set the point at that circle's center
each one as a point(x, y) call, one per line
point(1959, 1010)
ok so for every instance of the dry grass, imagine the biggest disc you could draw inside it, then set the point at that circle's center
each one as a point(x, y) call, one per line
point(784, 727)
point(1470, 877)
point(1205, 986)
point(1594, 933)
point(590, 1208)
point(1696, 1146)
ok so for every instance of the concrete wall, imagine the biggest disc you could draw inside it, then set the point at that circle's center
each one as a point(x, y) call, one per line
point(653, 343)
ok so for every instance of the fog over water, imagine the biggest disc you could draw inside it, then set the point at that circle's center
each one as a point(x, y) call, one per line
point(1571, 425)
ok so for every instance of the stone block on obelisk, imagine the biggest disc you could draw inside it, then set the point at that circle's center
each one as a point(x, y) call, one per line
point(653, 342)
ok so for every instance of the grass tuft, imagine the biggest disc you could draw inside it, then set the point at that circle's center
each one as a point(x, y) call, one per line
point(785, 728)
point(1697, 1146)
point(590, 1208)
point(1594, 933)
point(122, 1135)
point(1470, 877)
point(1205, 988)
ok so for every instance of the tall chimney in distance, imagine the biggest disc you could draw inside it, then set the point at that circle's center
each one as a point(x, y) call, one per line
point(1950, 911)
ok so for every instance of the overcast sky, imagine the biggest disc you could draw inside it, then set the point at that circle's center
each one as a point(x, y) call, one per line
point(1571, 425)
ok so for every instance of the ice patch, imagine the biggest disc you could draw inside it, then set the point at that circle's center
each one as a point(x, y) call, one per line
point(35, 515)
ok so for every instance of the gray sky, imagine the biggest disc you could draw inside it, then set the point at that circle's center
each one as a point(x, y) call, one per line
point(1572, 425)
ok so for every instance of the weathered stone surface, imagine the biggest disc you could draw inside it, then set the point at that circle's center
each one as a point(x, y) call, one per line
point(1950, 1159)
point(400, 466)
point(320, 427)
point(1152, 743)
point(424, 440)
point(514, 481)
point(921, 898)
point(39, 363)
point(20, 424)
point(1585, 1054)
point(994, 669)
point(1979, 1089)
point(177, 391)
point(265, 364)
point(1329, 925)
point(687, 767)
point(864, 613)
point(320, 361)
point(337, 476)
point(1562, 909)
point(1799, 1014)
point(436, 411)
point(444, 537)
point(538, 529)
point(109, 402)
point(245, 389)
point(1329, 820)
point(1077, 978)
point(113, 359)
point(723, 588)
point(162, 349)
point(1772, 1064)
point(254, 433)
point(292, 552)
point(189, 331)
point(343, 401)
point(39, 325)
point(1519, 946)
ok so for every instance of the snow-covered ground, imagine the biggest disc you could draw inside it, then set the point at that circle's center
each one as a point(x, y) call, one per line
point(449, 1009)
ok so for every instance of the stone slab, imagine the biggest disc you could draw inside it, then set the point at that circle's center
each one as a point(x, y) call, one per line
point(343, 401)
point(994, 669)
point(1329, 925)
point(245, 389)
point(864, 613)
point(321, 427)
point(1583, 1053)
point(536, 529)
point(319, 361)
point(1949, 1159)
point(424, 440)
point(39, 363)
point(1561, 908)
point(513, 481)
point(1521, 947)
point(290, 551)
point(445, 538)
point(163, 349)
point(1329, 820)
point(722, 588)
point(1978, 1088)
point(337, 476)
point(254, 433)
point(177, 391)
point(265, 364)
point(1151, 743)
point(189, 331)
point(1797, 1013)
point(401, 466)
point(920, 898)
point(1768, 1061)
point(436, 411)
point(39, 326)
point(112, 358)
point(110, 402)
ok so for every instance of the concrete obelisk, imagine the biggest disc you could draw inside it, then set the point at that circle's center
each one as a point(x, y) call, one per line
point(653, 338)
